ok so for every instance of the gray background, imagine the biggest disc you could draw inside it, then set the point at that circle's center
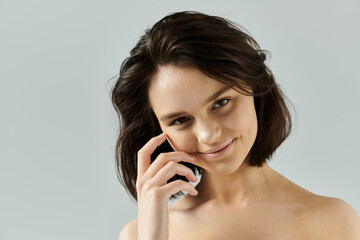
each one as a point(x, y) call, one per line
point(58, 128)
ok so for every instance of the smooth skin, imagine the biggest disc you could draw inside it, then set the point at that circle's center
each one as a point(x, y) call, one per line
point(234, 200)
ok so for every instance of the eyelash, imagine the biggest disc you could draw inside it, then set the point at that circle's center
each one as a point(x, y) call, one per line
point(173, 122)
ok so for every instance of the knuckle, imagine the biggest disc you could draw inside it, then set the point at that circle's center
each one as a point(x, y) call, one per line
point(146, 187)
point(162, 156)
point(182, 168)
point(154, 193)
point(179, 183)
point(139, 185)
point(140, 152)
point(172, 164)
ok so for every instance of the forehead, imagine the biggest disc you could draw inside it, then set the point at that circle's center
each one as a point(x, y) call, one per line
point(175, 88)
point(170, 76)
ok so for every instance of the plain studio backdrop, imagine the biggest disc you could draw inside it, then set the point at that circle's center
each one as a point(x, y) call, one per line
point(58, 127)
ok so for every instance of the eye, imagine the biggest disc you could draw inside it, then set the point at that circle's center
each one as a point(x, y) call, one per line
point(222, 102)
point(178, 120)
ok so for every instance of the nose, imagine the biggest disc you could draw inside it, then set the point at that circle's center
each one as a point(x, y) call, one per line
point(208, 131)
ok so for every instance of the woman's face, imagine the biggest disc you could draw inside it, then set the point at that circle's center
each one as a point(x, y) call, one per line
point(194, 123)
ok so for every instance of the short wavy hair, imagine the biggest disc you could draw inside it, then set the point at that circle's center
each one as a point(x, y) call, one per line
point(219, 48)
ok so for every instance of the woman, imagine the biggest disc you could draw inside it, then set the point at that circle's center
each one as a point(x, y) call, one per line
point(195, 96)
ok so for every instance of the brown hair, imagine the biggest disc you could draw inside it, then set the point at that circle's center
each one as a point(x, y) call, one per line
point(220, 49)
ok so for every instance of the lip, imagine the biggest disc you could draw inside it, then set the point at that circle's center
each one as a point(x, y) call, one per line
point(218, 151)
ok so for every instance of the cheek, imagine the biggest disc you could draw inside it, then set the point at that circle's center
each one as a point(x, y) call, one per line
point(180, 142)
point(243, 119)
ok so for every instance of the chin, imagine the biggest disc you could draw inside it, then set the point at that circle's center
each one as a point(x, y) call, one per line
point(222, 170)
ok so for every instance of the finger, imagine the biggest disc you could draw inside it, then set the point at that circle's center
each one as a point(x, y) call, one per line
point(169, 170)
point(145, 152)
point(164, 158)
point(176, 186)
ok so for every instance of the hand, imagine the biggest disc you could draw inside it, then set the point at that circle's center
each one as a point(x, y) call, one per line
point(153, 191)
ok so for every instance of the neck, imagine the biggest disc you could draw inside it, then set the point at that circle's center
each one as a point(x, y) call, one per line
point(242, 187)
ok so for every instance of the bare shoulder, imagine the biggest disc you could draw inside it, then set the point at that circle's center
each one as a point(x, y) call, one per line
point(333, 218)
point(130, 230)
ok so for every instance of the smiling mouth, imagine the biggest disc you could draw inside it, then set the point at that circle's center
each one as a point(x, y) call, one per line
point(220, 151)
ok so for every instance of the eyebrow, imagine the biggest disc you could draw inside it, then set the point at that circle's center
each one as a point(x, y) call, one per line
point(212, 97)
